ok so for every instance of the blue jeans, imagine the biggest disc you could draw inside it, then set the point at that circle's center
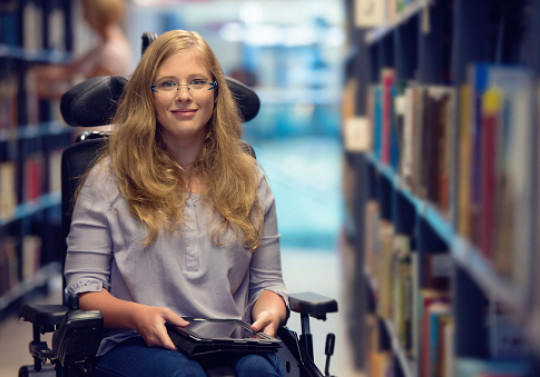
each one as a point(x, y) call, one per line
point(133, 358)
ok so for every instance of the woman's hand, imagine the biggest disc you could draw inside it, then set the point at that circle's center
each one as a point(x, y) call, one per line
point(148, 321)
point(267, 322)
point(150, 324)
point(269, 313)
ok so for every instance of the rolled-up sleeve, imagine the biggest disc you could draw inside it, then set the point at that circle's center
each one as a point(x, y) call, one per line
point(89, 244)
point(265, 268)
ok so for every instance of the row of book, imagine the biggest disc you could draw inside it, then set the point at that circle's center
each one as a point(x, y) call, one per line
point(414, 303)
point(466, 151)
point(15, 266)
point(38, 171)
point(12, 105)
point(31, 14)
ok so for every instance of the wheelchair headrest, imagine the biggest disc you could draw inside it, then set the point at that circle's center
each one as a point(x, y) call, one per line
point(93, 102)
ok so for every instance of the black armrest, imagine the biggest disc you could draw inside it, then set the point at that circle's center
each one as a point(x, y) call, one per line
point(78, 337)
point(43, 315)
point(312, 304)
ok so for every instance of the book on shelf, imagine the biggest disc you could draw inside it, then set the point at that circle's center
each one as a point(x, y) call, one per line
point(437, 315)
point(383, 254)
point(33, 115)
point(437, 105)
point(427, 299)
point(8, 189)
point(8, 103)
point(55, 170)
point(9, 265)
point(33, 177)
point(464, 161)
point(57, 22)
point(388, 93)
point(9, 21)
point(402, 286)
point(31, 256)
point(375, 99)
point(500, 215)
point(491, 116)
point(32, 26)
point(371, 215)
point(406, 107)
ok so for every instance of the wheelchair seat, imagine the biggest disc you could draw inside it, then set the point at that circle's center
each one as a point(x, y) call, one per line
point(77, 333)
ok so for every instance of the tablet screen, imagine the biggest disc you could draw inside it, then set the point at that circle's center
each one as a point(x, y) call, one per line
point(220, 329)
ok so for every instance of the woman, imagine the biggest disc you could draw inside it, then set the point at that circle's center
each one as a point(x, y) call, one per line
point(175, 219)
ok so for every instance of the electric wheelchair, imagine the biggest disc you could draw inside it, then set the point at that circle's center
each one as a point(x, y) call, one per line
point(76, 334)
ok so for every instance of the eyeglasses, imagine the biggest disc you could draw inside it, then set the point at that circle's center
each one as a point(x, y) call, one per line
point(197, 85)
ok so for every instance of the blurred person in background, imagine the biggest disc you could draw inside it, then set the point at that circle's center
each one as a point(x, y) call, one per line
point(110, 55)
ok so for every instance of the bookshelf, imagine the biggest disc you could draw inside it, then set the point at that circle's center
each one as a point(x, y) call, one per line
point(444, 206)
point(32, 137)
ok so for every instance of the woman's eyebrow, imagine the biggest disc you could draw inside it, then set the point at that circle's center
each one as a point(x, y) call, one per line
point(189, 77)
point(166, 78)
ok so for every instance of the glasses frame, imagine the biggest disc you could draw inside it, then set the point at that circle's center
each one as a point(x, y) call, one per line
point(213, 85)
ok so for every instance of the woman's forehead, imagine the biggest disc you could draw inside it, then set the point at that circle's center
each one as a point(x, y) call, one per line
point(182, 63)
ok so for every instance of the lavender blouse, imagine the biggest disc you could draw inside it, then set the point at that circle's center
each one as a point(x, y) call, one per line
point(184, 271)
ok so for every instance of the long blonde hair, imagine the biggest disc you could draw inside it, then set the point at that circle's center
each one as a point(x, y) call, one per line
point(153, 182)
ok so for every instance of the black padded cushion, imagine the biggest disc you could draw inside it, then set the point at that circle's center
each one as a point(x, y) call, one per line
point(246, 99)
point(93, 102)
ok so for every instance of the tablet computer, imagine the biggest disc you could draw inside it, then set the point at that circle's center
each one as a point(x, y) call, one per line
point(206, 336)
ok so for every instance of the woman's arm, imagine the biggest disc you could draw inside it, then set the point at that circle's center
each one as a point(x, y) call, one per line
point(269, 313)
point(148, 321)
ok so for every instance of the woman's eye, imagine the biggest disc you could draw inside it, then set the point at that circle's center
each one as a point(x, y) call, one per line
point(198, 83)
point(168, 84)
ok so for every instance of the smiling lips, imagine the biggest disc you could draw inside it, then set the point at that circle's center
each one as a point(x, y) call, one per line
point(184, 113)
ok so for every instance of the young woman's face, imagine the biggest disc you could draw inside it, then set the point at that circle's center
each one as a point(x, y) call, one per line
point(183, 94)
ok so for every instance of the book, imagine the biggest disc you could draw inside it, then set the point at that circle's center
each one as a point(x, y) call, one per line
point(9, 264)
point(436, 317)
point(432, 305)
point(8, 189)
point(408, 140)
point(401, 288)
point(55, 170)
point(33, 177)
point(464, 162)
point(371, 213)
point(32, 26)
point(388, 92)
point(491, 114)
point(8, 104)
point(31, 256)
point(510, 161)
point(9, 21)
point(384, 253)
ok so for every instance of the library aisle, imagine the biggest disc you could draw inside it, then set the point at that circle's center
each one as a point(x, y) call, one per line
point(294, 167)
